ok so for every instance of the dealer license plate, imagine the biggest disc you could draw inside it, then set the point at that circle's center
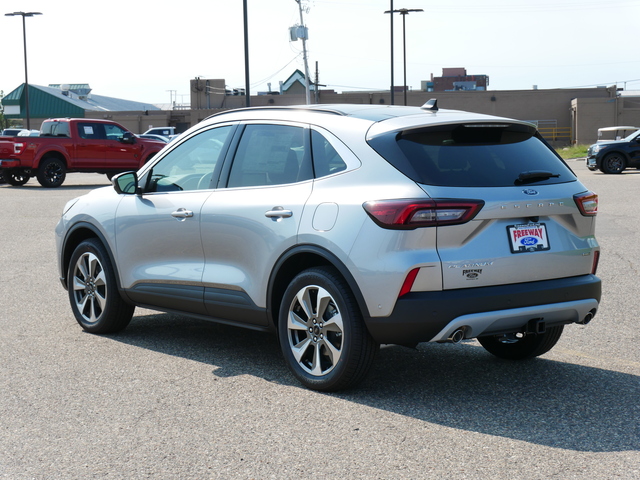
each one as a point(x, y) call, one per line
point(530, 237)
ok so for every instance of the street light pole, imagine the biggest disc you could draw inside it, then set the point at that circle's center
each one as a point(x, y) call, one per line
point(247, 85)
point(404, 12)
point(393, 102)
point(26, 76)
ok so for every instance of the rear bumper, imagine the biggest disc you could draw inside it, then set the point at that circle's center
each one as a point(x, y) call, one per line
point(434, 316)
point(9, 163)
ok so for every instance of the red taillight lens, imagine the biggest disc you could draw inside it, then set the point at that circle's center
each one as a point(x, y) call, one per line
point(587, 203)
point(410, 213)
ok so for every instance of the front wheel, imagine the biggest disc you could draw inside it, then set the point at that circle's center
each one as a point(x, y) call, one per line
point(613, 163)
point(322, 335)
point(15, 176)
point(93, 292)
point(51, 172)
point(520, 346)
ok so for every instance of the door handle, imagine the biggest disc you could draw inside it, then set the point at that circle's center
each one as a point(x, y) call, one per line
point(278, 212)
point(182, 213)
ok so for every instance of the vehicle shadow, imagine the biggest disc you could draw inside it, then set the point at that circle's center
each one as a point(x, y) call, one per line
point(540, 401)
point(36, 186)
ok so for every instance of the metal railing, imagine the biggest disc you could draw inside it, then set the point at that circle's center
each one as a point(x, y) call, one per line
point(556, 134)
point(551, 132)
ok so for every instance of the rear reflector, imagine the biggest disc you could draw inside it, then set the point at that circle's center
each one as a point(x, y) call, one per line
point(596, 259)
point(408, 214)
point(587, 203)
point(408, 282)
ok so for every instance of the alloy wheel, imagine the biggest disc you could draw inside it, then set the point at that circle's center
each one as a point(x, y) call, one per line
point(315, 330)
point(89, 287)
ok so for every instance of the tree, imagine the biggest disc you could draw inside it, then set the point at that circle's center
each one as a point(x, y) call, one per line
point(4, 123)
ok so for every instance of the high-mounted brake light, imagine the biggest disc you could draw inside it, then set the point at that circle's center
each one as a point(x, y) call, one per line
point(408, 214)
point(587, 203)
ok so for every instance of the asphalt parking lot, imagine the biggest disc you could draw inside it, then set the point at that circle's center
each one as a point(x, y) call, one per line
point(176, 398)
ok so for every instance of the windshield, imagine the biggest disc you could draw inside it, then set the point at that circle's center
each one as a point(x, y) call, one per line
point(629, 138)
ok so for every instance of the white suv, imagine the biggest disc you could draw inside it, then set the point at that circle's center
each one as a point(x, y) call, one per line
point(341, 227)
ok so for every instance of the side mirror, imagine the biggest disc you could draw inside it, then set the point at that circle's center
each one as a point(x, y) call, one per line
point(128, 137)
point(126, 183)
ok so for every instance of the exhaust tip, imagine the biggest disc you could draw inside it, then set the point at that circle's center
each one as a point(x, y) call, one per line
point(588, 317)
point(457, 336)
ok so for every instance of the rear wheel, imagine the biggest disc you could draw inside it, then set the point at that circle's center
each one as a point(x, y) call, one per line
point(322, 335)
point(520, 346)
point(15, 176)
point(52, 172)
point(613, 163)
point(93, 292)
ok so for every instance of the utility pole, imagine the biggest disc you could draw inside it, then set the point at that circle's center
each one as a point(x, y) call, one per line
point(316, 84)
point(304, 54)
point(171, 102)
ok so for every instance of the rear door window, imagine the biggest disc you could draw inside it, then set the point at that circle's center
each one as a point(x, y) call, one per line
point(91, 131)
point(473, 155)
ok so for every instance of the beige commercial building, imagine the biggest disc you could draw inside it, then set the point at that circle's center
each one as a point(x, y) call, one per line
point(563, 116)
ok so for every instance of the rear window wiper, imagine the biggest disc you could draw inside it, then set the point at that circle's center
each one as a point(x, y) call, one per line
point(535, 176)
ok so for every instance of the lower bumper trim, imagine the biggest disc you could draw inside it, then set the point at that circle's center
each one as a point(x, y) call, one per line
point(427, 316)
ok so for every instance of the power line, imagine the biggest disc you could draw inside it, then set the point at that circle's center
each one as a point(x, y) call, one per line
point(274, 74)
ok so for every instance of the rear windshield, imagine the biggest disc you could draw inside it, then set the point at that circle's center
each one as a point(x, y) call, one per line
point(473, 155)
point(54, 129)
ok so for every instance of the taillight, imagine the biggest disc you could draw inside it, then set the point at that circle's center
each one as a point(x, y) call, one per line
point(587, 203)
point(408, 214)
point(17, 147)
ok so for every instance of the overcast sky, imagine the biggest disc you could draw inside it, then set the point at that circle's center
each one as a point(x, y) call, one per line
point(141, 50)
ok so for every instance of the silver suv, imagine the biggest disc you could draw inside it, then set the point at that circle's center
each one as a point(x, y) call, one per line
point(343, 227)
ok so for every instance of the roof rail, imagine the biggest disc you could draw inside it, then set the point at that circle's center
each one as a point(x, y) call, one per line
point(315, 108)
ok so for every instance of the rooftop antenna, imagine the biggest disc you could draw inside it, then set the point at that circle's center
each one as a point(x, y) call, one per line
point(431, 105)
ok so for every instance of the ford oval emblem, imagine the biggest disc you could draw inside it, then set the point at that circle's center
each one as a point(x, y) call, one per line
point(530, 191)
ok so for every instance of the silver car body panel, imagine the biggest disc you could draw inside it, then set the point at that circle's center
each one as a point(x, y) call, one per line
point(482, 245)
point(243, 240)
point(155, 244)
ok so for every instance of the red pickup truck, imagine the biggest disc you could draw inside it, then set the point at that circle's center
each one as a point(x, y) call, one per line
point(73, 145)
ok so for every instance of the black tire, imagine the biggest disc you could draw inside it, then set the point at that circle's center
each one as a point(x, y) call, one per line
point(322, 335)
point(51, 172)
point(15, 176)
point(93, 292)
point(521, 346)
point(613, 163)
